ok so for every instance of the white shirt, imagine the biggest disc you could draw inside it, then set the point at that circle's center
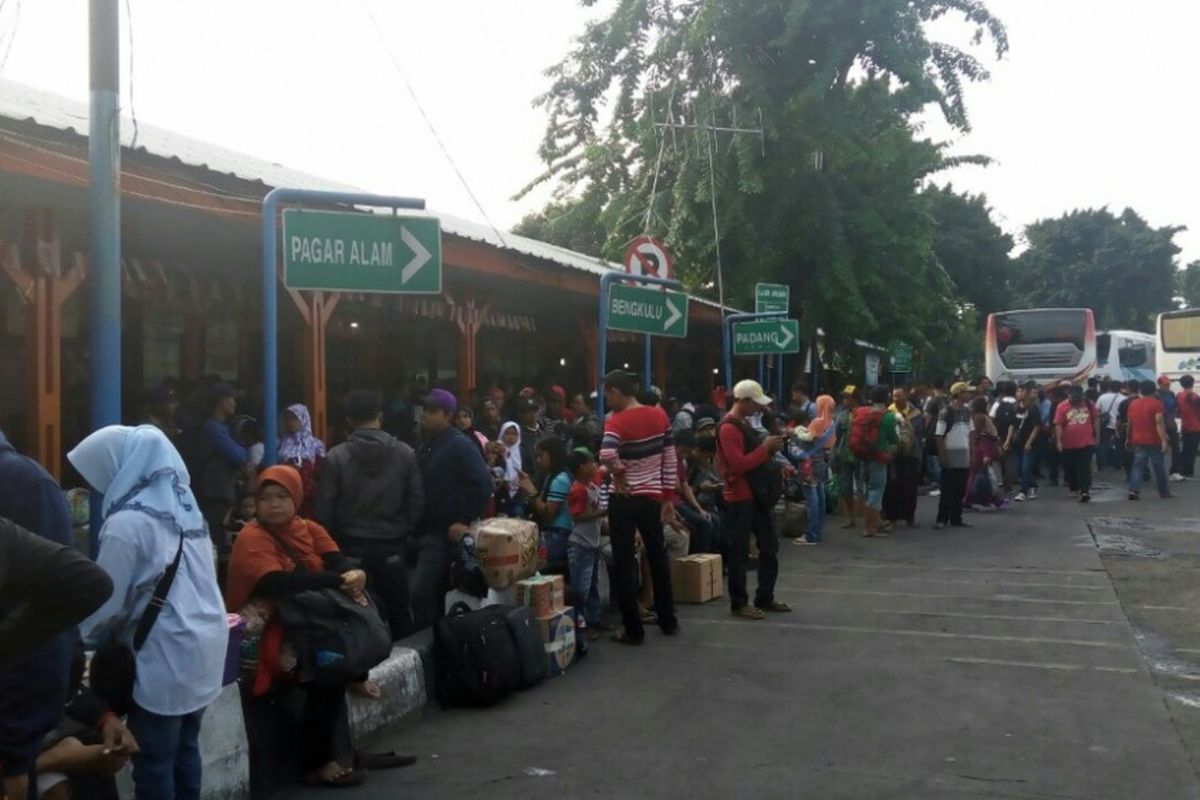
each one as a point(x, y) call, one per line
point(1108, 404)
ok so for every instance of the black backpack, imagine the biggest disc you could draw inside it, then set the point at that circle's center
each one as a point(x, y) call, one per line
point(766, 480)
point(477, 659)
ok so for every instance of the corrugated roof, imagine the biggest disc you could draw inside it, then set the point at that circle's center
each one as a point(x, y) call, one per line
point(22, 102)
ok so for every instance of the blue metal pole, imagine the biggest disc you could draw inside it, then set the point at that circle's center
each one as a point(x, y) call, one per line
point(104, 224)
point(270, 256)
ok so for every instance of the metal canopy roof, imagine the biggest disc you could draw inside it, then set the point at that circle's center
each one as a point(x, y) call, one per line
point(21, 102)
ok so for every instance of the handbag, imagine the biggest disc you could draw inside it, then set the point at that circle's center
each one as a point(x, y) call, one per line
point(113, 669)
point(336, 640)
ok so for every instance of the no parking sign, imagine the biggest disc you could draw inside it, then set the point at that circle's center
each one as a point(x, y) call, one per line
point(647, 256)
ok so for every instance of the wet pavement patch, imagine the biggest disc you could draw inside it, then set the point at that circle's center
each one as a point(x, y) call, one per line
point(1112, 536)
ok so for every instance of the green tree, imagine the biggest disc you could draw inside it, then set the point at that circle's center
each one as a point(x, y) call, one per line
point(826, 201)
point(1188, 280)
point(1118, 266)
point(573, 223)
point(972, 249)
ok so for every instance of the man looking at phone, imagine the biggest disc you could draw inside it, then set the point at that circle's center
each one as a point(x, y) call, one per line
point(744, 457)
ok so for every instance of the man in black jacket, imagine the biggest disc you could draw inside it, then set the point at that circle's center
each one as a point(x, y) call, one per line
point(457, 487)
point(369, 497)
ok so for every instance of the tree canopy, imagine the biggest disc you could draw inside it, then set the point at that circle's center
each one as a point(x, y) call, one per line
point(828, 199)
point(1116, 265)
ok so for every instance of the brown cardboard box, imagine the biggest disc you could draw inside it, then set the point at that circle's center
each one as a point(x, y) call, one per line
point(697, 578)
point(507, 550)
point(558, 631)
point(542, 593)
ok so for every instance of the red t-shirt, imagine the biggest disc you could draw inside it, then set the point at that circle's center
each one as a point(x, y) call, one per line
point(734, 462)
point(638, 441)
point(1189, 411)
point(1142, 426)
point(1078, 424)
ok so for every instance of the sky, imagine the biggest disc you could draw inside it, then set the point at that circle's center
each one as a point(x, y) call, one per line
point(1094, 104)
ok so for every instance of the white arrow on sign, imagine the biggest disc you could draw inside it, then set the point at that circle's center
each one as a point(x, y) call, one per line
point(675, 314)
point(787, 336)
point(420, 258)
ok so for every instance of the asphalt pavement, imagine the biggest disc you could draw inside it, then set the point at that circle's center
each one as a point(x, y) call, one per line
point(995, 662)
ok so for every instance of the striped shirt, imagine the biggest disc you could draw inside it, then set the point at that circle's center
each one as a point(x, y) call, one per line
point(637, 444)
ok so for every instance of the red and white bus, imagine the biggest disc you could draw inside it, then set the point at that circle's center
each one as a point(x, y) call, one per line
point(1047, 345)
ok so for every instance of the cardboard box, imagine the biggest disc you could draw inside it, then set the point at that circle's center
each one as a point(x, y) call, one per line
point(507, 550)
point(697, 578)
point(558, 637)
point(542, 593)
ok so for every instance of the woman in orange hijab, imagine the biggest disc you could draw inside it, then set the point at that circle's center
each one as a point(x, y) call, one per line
point(814, 490)
point(261, 570)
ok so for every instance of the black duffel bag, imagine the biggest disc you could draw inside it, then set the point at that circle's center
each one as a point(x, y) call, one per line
point(477, 657)
point(336, 640)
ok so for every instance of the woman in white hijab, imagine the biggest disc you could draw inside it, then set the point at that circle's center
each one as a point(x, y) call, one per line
point(150, 515)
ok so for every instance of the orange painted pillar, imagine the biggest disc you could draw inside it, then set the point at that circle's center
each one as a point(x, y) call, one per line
point(44, 289)
point(315, 309)
point(660, 365)
point(589, 334)
point(466, 359)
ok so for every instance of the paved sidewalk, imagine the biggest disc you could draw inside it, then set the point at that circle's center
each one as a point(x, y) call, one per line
point(994, 662)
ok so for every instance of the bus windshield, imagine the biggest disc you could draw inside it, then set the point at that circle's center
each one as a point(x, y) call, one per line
point(1180, 333)
point(1103, 342)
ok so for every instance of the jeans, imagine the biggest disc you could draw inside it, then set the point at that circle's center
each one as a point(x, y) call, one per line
point(701, 540)
point(814, 499)
point(628, 516)
point(1154, 454)
point(933, 468)
point(1176, 459)
point(1191, 442)
point(387, 579)
point(954, 488)
point(877, 478)
point(1077, 466)
point(583, 562)
point(1028, 468)
point(168, 768)
point(430, 579)
point(556, 545)
point(1108, 455)
point(744, 518)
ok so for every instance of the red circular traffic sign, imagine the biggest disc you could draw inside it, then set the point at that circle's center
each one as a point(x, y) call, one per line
point(648, 256)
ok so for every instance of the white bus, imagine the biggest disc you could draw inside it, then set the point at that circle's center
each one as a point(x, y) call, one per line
point(1047, 345)
point(1179, 344)
point(1125, 356)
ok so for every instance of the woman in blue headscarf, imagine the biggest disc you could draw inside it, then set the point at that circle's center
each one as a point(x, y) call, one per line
point(150, 514)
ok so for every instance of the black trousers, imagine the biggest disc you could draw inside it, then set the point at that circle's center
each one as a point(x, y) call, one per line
point(954, 488)
point(745, 518)
point(628, 516)
point(387, 579)
point(900, 496)
point(1191, 442)
point(1077, 464)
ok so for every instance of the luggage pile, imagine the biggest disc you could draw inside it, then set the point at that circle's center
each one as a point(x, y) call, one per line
point(485, 654)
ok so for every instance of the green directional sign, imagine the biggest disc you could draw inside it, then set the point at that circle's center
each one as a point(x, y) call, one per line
point(641, 310)
point(766, 337)
point(354, 252)
point(902, 357)
point(769, 297)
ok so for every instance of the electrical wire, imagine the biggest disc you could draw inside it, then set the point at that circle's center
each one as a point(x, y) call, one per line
point(12, 36)
point(132, 107)
point(429, 123)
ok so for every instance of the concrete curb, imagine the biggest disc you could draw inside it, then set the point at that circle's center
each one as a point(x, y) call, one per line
point(403, 677)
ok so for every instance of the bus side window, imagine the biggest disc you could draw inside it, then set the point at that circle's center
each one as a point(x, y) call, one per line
point(1134, 356)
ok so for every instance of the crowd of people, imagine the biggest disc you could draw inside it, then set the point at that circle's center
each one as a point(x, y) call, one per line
point(196, 527)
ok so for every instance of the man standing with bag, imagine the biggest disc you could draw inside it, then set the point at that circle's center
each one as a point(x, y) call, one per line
point(953, 434)
point(369, 499)
point(640, 454)
point(743, 458)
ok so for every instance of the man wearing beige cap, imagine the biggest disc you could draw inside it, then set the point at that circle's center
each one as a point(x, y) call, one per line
point(743, 457)
point(954, 452)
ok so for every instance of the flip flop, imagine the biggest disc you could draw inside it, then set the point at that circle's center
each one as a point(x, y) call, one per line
point(348, 779)
point(388, 760)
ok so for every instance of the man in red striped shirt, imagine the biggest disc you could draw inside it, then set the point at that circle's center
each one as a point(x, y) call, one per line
point(743, 457)
point(640, 455)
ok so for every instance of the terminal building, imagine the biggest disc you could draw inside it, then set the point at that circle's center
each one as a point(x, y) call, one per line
point(511, 310)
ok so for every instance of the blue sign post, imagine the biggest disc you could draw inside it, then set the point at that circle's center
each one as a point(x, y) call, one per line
point(270, 260)
point(606, 282)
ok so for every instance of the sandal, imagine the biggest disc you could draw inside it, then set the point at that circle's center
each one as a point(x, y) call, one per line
point(625, 638)
point(388, 760)
point(649, 617)
point(776, 606)
point(345, 780)
point(749, 612)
